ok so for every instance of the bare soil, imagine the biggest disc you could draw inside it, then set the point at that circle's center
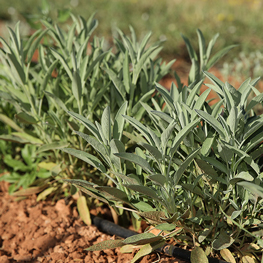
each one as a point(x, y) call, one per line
point(44, 232)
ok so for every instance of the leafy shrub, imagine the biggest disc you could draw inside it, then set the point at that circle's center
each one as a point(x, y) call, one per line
point(195, 172)
point(73, 72)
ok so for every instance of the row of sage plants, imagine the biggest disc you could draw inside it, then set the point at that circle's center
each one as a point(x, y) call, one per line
point(74, 70)
point(194, 172)
point(190, 169)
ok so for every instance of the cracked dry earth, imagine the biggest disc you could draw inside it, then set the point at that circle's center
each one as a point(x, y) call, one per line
point(44, 232)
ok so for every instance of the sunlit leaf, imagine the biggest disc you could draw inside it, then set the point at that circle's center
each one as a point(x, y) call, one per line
point(84, 210)
point(107, 244)
point(198, 256)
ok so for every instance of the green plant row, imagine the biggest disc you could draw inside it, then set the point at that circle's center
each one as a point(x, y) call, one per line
point(73, 71)
point(98, 119)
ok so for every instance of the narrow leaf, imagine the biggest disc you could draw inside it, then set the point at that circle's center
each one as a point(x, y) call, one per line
point(135, 159)
point(84, 210)
point(107, 244)
point(86, 157)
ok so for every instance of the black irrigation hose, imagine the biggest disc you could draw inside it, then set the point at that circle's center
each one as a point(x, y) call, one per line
point(113, 229)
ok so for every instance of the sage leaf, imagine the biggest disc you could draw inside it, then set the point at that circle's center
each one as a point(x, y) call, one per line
point(198, 256)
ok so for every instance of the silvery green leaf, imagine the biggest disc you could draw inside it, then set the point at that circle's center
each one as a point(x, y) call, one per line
point(219, 55)
point(88, 124)
point(230, 103)
point(143, 59)
point(116, 147)
point(252, 128)
point(153, 151)
point(112, 193)
point(76, 86)
point(144, 43)
point(144, 98)
point(235, 214)
point(165, 137)
point(138, 125)
point(254, 141)
point(232, 119)
point(107, 244)
point(202, 54)
point(211, 45)
point(16, 69)
point(98, 98)
point(117, 82)
point(184, 166)
point(244, 90)
point(217, 109)
point(126, 73)
point(213, 122)
point(10, 122)
point(26, 118)
point(106, 124)
point(247, 158)
point(219, 165)
point(200, 102)
point(134, 138)
point(104, 140)
point(48, 74)
point(222, 241)
point(52, 146)
point(142, 239)
point(71, 35)
point(207, 144)
point(86, 157)
point(257, 153)
point(32, 48)
point(203, 235)
point(206, 168)
point(98, 146)
point(128, 179)
point(119, 121)
point(174, 93)
point(193, 93)
point(225, 126)
point(243, 176)
point(166, 227)
point(145, 190)
point(59, 57)
point(163, 116)
point(190, 49)
point(198, 256)
point(95, 63)
point(181, 135)
point(159, 179)
point(218, 87)
point(225, 153)
point(256, 100)
point(252, 187)
point(166, 96)
point(135, 159)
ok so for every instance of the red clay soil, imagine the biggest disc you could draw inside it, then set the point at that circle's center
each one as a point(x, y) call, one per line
point(44, 232)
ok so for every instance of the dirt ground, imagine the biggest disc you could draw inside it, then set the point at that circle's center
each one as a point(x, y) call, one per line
point(44, 232)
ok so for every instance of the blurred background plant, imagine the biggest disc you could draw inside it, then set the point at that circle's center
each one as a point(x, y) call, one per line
point(243, 67)
point(167, 19)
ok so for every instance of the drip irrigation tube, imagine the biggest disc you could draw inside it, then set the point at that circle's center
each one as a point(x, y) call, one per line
point(169, 250)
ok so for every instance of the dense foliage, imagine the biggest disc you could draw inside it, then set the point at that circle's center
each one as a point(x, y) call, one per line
point(97, 118)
